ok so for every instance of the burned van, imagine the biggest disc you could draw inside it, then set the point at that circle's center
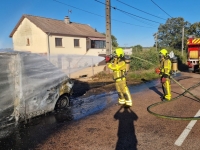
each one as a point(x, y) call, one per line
point(30, 86)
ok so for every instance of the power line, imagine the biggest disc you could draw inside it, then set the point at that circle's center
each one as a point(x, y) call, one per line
point(161, 8)
point(140, 20)
point(132, 24)
point(128, 12)
point(100, 15)
point(77, 8)
point(140, 10)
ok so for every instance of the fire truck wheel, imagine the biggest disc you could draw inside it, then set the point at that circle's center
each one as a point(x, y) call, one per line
point(62, 102)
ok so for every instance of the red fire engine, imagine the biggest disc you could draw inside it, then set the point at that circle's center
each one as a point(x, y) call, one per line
point(193, 56)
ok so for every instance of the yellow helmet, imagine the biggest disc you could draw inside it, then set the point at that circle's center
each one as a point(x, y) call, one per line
point(119, 52)
point(164, 52)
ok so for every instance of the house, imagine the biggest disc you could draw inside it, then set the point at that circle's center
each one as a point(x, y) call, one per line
point(68, 45)
point(51, 37)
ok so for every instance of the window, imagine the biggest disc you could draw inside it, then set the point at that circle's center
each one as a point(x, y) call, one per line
point(27, 42)
point(58, 41)
point(97, 44)
point(76, 43)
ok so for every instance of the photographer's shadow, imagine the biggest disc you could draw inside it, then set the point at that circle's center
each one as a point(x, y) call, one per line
point(126, 131)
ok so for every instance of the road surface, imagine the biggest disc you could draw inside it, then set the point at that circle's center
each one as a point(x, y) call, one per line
point(99, 124)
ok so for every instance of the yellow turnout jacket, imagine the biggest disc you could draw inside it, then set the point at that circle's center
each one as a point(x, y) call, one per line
point(165, 67)
point(119, 69)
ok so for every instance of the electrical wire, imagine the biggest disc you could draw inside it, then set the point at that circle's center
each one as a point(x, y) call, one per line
point(161, 8)
point(141, 21)
point(140, 10)
point(100, 15)
point(77, 8)
point(127, 12)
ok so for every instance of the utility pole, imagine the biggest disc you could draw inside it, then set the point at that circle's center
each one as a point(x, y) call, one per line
point(108, 28)
point(182, 39)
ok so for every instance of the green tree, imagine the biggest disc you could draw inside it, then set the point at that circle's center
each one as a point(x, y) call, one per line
point(195, 29)
point(137, 48)
point(114, 40)
point(170, 33)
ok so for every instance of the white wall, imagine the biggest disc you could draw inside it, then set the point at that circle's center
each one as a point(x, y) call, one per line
point(67, 45)
point(37, 38)
point(96, 52)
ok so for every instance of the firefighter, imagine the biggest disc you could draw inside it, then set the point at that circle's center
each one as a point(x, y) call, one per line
point(164, 71)
point(118, 65)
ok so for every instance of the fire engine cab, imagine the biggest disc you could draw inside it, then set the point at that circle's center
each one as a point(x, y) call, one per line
point(193, 55)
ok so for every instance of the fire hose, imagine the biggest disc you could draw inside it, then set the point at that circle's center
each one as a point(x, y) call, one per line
point(173, 99)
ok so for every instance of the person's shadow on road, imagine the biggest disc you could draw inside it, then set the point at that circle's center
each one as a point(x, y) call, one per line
point(156, 91)
point(153, 88)
point(126, 131)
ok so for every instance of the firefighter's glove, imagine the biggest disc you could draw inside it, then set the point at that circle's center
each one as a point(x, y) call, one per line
point(157, 70)
point(108, 59)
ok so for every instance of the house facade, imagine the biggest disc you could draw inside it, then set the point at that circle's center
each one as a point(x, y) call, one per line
point(56, 37)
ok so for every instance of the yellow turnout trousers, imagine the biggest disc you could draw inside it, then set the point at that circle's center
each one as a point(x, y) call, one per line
point(167, 89)
point(123, 92)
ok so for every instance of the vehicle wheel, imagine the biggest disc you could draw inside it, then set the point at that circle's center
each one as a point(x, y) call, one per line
point(62, 102)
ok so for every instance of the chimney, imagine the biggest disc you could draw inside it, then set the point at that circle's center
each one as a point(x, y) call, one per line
point(66, 20)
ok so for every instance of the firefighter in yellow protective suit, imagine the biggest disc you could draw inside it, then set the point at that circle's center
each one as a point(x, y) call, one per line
point(118, 66)
point(164, 71)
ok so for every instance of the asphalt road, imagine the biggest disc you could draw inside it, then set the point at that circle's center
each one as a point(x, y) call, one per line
point(115, 127)
point(135, 128)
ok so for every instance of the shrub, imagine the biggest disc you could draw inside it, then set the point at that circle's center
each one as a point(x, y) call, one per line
point(150, 59)
point(144, 60)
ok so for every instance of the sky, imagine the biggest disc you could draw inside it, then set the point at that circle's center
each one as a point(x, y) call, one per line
point(133, 22)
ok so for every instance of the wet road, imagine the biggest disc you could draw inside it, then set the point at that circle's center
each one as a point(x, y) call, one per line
point(149, 131)
point(29, 135)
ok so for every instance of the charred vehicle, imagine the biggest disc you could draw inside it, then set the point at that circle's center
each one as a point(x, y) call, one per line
point(30, 86)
